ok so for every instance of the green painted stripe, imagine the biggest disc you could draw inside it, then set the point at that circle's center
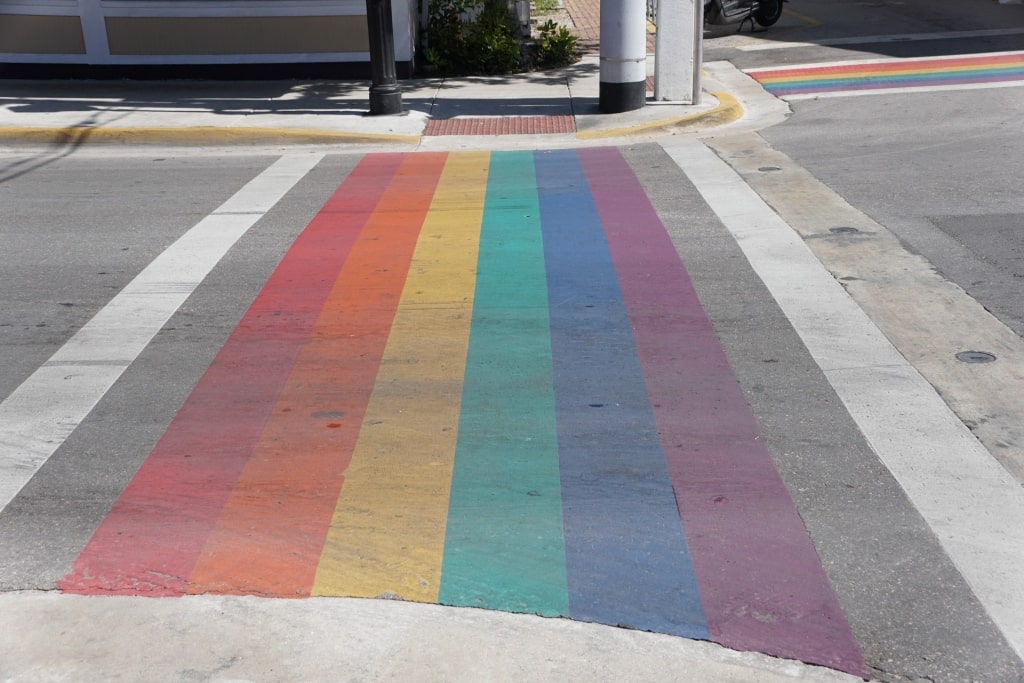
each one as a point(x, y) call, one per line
point(900, 79)
point(504, 547)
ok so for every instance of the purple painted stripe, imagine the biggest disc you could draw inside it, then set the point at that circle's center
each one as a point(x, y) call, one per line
point(760, 579)
point(882, 83)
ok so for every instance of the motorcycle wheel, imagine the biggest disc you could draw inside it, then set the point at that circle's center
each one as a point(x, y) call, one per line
point(768, 12)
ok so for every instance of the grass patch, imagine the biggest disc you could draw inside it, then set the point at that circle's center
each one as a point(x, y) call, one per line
point(545, 6)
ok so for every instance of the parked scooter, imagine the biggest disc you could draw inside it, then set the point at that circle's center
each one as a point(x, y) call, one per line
point(724, 12)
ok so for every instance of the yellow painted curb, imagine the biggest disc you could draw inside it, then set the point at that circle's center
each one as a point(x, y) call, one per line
point(728, 110)
point(75, 135)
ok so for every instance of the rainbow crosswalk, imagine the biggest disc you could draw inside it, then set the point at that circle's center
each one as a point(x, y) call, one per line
point(480, 379)
point(881, 76)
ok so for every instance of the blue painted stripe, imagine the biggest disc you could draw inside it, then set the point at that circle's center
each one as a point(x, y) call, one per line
point(626, 556)
point(906, 80)
point(503, 544)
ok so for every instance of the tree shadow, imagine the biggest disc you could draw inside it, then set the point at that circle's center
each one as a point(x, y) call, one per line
point(97, 104)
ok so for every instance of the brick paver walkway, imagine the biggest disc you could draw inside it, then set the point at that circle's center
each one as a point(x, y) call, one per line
point(586, 19)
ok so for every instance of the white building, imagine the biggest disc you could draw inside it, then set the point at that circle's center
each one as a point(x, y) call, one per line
point(178, 33)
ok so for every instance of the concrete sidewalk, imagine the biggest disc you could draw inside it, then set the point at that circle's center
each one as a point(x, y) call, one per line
point(550, 108)
point(224, 638)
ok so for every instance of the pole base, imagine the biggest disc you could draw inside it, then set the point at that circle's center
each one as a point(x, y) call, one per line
point(385, 101)
point(615, 98)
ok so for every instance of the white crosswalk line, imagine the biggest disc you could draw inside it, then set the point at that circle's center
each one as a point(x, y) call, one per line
point(40, 414)
point(974, 506)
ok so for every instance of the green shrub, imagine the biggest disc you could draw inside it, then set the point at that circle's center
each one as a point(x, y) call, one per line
point(472, 37)
point(554, 45)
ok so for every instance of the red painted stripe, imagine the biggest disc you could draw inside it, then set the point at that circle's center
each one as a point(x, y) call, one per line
point(152, 537)
point(887, 67)
point(270, 534)
point(761, 582)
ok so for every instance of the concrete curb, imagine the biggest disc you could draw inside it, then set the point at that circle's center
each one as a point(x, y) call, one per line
point(194, 135)
point(729, 109)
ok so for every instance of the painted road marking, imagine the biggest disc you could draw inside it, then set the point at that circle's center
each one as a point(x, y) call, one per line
point(231, 501)
point(320, 409)
point(974, 506)
point(883, 76)
point(740, 43)
point(505, 515)
point(227, 411)
point(418, 392)
point(874, 40)
point(599, 387)
point(40, 414)
point(739, 559)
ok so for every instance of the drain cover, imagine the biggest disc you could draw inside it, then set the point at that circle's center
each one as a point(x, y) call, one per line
point(975, 357)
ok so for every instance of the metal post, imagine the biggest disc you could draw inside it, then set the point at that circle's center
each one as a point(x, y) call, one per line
point(385, 95)
point(678, 52)
point(623, 85)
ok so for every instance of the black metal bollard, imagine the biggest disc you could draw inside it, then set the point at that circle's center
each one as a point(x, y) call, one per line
point(385, 95)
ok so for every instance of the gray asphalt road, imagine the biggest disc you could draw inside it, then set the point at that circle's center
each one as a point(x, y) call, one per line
point(834, 30)
point(919, 585)
point(909, 607)
point(73, 252)
point(942, 170)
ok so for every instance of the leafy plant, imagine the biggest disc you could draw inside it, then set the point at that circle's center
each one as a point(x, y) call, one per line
point(554, 45)
point(470, 37)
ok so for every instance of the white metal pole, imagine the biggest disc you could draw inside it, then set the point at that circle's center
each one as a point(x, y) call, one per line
point(623, 85)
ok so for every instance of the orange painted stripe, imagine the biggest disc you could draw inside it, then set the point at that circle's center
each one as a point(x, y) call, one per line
point(401, 469)
point(270, 535)
point(150, 540)
point(888, 74)
point(909, 66)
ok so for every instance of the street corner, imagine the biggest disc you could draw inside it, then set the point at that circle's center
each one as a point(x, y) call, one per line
point(731, 98)
point(760, 108)
point(657, 118)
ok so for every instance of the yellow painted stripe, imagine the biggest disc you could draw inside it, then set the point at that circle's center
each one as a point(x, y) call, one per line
point(387, 533)
point(914, 69)
point(806, 18)
point(778, 34)
point(728, 110)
